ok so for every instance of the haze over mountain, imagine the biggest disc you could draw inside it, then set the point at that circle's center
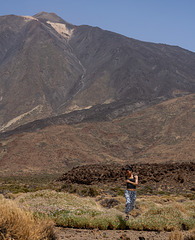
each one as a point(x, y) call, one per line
point(49, 67)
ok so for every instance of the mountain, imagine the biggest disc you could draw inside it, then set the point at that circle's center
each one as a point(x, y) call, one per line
point(163, 133)
point(50, 67)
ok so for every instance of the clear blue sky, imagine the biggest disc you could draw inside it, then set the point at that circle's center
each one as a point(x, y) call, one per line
point(161, 21)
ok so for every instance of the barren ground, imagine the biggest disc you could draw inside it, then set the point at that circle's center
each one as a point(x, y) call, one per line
point(81, 234)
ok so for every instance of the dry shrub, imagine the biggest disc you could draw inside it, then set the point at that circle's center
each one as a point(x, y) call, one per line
point(178, 235)
point(190, 235)
point(18, 224)
point(180, 207)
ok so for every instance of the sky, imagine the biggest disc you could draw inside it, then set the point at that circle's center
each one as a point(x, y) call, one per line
point(160, 21)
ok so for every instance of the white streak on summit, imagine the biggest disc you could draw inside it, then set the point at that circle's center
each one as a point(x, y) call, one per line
point(61, 29)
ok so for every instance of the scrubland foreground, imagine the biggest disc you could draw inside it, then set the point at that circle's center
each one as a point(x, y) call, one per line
point(96, 209)
point(18, 223)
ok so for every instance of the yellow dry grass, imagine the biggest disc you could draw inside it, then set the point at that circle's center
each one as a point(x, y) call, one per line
point(17, 223)
point(176, 235)
point(179, 235)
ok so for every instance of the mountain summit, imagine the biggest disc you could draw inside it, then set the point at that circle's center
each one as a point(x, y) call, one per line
point(51, 17)
point(49, 67)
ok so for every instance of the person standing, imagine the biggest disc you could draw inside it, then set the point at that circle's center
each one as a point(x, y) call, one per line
point(130, 192)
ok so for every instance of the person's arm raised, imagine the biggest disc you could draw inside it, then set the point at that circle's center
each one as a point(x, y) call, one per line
point(134, 183)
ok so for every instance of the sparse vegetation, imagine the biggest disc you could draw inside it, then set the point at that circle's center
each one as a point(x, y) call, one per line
point(96, 207)
point(23, 184)
point(83, 190)
point(151, 213)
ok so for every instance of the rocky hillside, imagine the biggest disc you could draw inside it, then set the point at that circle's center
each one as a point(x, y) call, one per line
point(49, 67)
point(168, 177)
point(162, 133)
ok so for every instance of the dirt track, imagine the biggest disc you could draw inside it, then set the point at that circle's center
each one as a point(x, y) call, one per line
point(81, 234)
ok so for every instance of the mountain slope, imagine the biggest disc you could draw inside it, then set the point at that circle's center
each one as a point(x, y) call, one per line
point(49, 67)
point(162, 133)
point(36, 76)
point(122, 68)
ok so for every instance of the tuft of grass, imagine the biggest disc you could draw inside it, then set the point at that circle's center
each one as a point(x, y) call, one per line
point(16, 223)
point(180, 235)
point(176, 235)
point(168, 218)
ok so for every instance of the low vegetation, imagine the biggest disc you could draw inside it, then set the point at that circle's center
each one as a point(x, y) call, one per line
point(23, 184)
point(156, 213)
point(81, 190)
point(88, 207)
point(20, 224)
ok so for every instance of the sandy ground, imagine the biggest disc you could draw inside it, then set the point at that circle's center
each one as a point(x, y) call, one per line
point(82, 234)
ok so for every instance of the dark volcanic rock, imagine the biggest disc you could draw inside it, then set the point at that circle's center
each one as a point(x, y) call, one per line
point(104, 112)
point(165, 176)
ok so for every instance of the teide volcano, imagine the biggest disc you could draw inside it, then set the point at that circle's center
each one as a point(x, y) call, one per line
point(49, 67)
